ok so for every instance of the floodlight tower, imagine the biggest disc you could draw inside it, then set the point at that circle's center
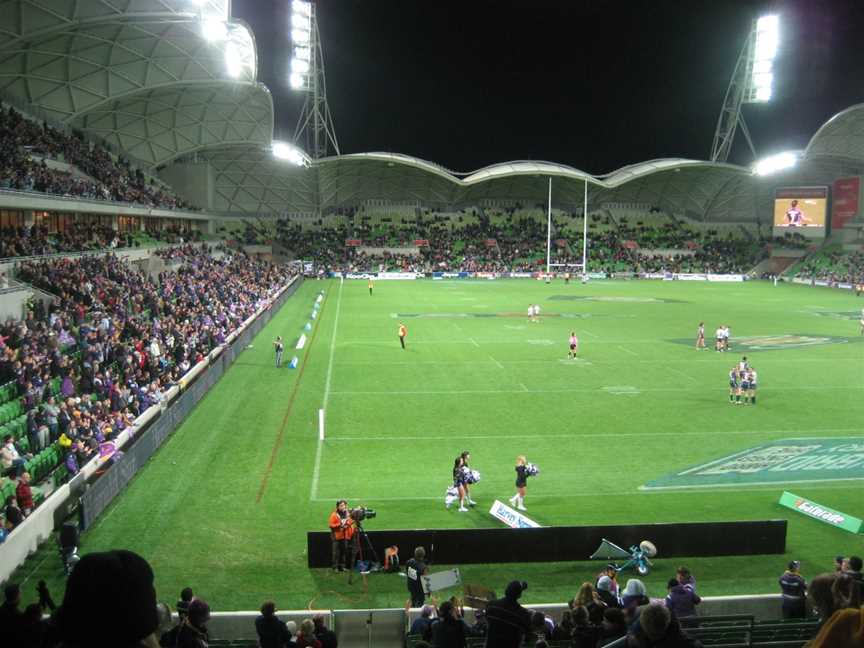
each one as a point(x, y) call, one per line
point(752, 82)
point(315, 132)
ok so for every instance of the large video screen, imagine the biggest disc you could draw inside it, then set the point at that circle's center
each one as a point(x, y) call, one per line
point(802, 210)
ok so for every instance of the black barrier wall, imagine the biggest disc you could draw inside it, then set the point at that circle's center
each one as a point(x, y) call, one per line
point(559, 544)
point(103, 491)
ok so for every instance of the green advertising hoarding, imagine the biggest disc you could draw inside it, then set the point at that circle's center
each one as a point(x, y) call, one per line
point(821, 513)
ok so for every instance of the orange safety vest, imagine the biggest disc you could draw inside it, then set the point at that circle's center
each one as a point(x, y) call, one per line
point(341, 532)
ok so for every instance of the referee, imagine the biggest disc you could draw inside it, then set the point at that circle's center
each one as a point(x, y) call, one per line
point(403, 333)
point(279, 347)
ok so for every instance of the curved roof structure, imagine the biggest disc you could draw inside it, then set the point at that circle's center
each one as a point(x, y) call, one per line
point(842, 136)
point(176, 72)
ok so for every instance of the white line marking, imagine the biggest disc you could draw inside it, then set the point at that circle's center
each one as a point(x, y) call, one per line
point(524, 388)
point(766, 488)
point(316, 471)
point(594, 335)
point(439, 392)
point(712, 433)
point(35, 569)
point(474, 342)
point(500, 366)
point(626, 350)
point(681, 373)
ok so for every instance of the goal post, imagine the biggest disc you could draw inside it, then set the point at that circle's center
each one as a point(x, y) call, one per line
point(580, 268)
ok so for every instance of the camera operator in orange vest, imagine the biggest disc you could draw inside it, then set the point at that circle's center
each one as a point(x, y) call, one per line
point(342, 530)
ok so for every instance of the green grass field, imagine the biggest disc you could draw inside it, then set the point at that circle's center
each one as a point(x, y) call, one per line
point(226, 503)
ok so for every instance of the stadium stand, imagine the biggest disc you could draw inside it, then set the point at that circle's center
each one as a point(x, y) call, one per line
point(78, 370)
point(832, 264)
point(26, 147)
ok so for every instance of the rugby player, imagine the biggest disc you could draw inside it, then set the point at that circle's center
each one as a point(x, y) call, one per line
point(574, 346)
point(718, 338)
point(734, 389)
point(530, 312)
point(861, 323)
point(752, 380)
point(700, 337)
point(536, 312)
point(744, 389)
point(403, 333)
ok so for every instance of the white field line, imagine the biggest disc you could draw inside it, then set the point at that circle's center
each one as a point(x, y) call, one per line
point(524, 388)
point(703, 359)
point(500, 366)
point(767, 487)
point(681, 373)
point(474, 342)
point(439, 392)
point(319, 450)
point(626, 350)
point(711, 433)
point(583, 331)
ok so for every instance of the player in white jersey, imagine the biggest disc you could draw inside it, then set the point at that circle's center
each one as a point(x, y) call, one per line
point(700, 337)
point(530, 312)
point(536, 312)
point(718, 338)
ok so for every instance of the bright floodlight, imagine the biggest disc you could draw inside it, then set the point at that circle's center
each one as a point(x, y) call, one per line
point(303, 53)
point(288, 152)
point(214, 30)
point(300, 21)
point(775, 163)
point(305, 8)
point(296, 80)
point(764, 52)
point(299, 66)
point(300, 37)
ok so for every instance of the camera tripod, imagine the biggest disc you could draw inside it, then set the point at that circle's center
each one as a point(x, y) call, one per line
point(361, 538)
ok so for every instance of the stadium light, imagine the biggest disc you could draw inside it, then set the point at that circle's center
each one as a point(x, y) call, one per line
point(764, 52)
point(296, 80)
point(300, 36)
point(775, 163)
point(289, 153)
point(214, 30)
point(299, 66)
point(305, 8)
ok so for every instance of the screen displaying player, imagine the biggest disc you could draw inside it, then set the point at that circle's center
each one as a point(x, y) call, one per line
point(802, 210)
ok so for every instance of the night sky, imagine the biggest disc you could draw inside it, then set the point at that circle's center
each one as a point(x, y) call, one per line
point(594, 84)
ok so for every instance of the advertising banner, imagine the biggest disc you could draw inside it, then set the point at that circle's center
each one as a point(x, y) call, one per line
point(421, 242)
point(521, 275)
point(397, 276)
point(486, 275)
point(725, 277)
point(685, 276)
point(353, 242)
point(822, 513)
point(512, 518)
point(845, 201)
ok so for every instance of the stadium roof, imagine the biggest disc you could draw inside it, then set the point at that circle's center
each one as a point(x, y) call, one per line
point(157, 78)
point(842, 136)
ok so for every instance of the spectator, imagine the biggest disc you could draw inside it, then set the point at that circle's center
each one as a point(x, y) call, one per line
point(12, 461)
point(831, 592)
point(122, 584)
point(564, 630)
point(591, 601)
point(845, 628)
point(614, 625)
point(186, 596)
point(12, 513)
point(585, 634)
point(324, 634)
point(24, 494)
point(794, 592)
point(853, 569)
point(306, 637)
point(508, 621)
point(191, 631)
point(681, 599)
point(634, 595)
point(449, 630)
point(421, 624)
point(658, 627)
point(604, 591)
point(272, 631)
point(11, 618)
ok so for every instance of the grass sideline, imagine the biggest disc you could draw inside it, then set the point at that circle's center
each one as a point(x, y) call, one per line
point(640, 403)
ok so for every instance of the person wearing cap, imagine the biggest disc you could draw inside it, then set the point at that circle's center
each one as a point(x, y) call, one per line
point(508, 621)
point(794, 592)
point(604, 590)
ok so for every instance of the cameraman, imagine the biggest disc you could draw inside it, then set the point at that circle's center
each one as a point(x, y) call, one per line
point(341, 536)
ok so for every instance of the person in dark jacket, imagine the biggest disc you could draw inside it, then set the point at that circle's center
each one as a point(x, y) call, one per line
point(324, 634)
point(657, 629)
point(681, 599)
point(272, 631)
point(449, 630)
point(508, 621)
point(794, 591)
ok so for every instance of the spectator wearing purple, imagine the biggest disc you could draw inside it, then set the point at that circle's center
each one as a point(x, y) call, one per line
point(681, 599)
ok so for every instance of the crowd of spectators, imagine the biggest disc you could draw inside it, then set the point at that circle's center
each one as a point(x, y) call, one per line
point(25, 143)
point(518, 244)
point(87, 363)
point(834, 266)
point(80, 236)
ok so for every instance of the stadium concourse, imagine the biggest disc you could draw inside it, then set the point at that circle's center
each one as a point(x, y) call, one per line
point(158, 166)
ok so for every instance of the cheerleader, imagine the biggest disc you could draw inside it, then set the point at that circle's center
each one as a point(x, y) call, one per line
point(518, 500)
point(459, 482)
point(467, 481)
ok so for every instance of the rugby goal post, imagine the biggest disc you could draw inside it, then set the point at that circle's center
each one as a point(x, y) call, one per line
point(580, 268)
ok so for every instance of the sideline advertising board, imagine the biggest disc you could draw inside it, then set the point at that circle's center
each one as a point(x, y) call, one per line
point(822, 513)
point(512, 518)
